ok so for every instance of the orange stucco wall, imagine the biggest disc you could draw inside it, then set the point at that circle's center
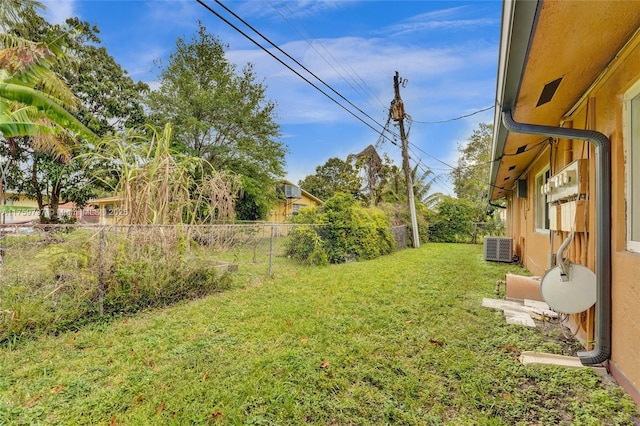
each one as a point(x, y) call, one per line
point(601, 110)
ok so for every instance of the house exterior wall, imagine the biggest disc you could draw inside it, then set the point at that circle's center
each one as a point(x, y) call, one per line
point(609, 117)
point(20, 217)
point(109, 211)
point(283, 211)
point(601, 109)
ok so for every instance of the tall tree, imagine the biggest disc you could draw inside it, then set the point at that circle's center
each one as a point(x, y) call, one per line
point(333, 177)
point(109, 100)
point(221, 114)
point(106, 100)
point(471, 176)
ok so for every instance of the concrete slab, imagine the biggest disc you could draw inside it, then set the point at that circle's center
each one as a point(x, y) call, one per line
point(505, 304)
point(527, 358)
point(536, 304)
point(518, 318)
point(514, 312)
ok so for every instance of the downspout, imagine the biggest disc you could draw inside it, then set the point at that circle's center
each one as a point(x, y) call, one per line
point(602, 349)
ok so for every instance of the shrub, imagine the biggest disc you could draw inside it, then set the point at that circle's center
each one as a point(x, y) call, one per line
point(452, 222)
point(346, 231)
point(51, 283)
point(305, 244)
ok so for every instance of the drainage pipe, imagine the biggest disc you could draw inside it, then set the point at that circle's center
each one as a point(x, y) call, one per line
point(602, 349)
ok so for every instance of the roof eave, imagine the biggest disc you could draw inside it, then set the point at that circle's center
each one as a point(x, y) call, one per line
point(518, 27)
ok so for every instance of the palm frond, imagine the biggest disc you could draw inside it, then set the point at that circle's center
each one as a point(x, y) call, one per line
point(43, 103)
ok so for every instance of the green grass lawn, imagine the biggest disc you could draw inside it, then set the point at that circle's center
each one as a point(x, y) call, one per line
point(402, 339)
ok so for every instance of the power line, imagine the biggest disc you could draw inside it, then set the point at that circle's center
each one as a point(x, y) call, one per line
point(431, 156)
point(385, 128)
point(289, 67)
point(456, 118)
point(428, 170)
point(362, 85)
point(454, 168)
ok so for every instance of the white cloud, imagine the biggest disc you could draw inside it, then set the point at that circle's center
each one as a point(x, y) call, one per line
point(297, 8)
point(176, 14)
point(57, 11)
point(438, 20)
point(451, 76)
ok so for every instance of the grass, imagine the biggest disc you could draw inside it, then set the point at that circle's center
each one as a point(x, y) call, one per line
point(402, 339)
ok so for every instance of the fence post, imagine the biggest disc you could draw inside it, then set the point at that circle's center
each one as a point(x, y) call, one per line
point(101, 287)
point(271, 250)
point(2, 247)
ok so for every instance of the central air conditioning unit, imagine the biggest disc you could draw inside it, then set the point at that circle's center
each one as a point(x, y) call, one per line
point(498, 249)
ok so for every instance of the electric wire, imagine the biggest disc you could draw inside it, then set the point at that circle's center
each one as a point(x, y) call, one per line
point(385, 128)
point(454, 168)
point(361, 83)
point(428, 171)
point(456, 118)
point(288, 66)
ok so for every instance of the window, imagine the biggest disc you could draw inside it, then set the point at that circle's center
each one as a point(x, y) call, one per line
point(297, 207)
point(632, 136)
point(542, 207)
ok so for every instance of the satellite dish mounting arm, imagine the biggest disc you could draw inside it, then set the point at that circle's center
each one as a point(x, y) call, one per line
point(562, 261)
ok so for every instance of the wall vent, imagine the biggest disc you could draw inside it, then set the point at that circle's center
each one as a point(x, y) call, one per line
point(548, 91)
point(498, 249)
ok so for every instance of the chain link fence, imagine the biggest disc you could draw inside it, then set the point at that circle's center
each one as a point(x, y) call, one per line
point(54, 277)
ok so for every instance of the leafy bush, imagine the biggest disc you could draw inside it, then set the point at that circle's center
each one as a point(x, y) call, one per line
point(452, 222)
point(52, 282)
point(399, 215)
point(305, 244)
point(346, 232)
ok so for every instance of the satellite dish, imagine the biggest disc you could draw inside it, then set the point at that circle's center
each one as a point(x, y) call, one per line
point(570, 293)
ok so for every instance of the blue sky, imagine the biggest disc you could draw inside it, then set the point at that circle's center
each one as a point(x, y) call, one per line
point(446, 50)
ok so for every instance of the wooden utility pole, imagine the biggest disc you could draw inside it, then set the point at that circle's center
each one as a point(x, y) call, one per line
point(397, 113)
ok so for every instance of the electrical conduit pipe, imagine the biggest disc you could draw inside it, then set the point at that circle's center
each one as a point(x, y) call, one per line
point(602, 349)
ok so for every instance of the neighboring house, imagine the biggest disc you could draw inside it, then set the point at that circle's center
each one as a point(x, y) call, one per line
point(295, 199)
point(566, 157)
point(110, 211)
point(18, 209)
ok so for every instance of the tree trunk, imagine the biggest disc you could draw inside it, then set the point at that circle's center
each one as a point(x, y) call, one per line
point(38, 193)
point(55, 202)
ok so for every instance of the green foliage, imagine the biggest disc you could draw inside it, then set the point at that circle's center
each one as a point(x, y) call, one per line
point(452, 222)
point(109, 100)
point(333, 177)
point(103, 98)
point(221, 115)
point(398, 214)
point(51, 282)
point(471, 176)
point(306, 245)
point(45, 179)
point(346, 232)
point(254, 202)
point(34, 100)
